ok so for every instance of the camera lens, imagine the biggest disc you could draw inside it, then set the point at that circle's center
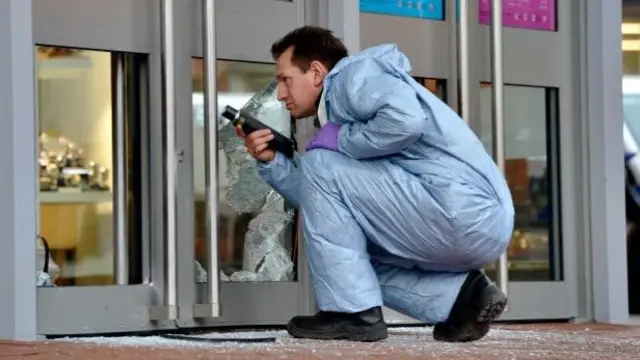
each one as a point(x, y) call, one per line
point(230, 113)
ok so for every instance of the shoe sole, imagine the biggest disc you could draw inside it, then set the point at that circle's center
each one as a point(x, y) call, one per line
point(376, 333)
point(494, 304)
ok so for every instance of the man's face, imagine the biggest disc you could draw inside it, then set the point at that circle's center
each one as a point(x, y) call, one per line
point(299, 90)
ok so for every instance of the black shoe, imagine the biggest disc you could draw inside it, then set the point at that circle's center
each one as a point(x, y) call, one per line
point(367, 325)
point(477, 305)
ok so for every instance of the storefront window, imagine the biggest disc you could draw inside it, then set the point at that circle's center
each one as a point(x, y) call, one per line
point(531, 152)
point(256, 226)
point(75, 114)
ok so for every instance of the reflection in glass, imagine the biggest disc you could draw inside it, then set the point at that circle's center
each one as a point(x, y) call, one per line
point(76, 158)
point(256, 225)
point(531, 155)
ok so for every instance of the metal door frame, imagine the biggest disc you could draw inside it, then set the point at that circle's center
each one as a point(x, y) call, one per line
point(130, 27)
point(136, 26)
point(244, 31)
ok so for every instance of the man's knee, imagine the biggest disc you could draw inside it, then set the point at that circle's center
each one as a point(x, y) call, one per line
point(493, 238)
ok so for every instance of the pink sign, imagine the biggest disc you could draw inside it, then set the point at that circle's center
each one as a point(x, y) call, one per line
point(524, 14)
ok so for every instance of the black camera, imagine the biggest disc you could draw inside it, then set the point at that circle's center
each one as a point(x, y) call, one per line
point(249, 124)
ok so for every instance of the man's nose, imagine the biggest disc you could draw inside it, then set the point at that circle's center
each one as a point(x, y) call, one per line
point(282, 93)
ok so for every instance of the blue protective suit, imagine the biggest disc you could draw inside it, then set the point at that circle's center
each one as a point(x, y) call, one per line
point(409, 204)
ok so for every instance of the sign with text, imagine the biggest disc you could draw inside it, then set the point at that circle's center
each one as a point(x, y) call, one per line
point(523, 14)
point(421, 9)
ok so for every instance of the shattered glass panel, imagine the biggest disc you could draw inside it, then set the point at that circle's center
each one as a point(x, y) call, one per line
point(265, 107)
point(46, 268)
point(256, 224)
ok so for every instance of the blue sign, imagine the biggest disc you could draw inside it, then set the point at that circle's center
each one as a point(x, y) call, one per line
point(421, 9)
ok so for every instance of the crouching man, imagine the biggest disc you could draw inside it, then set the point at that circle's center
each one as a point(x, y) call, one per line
point(401, 205)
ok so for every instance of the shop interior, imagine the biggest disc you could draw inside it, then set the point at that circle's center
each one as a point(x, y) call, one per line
point(74, 115)
point(75, 89)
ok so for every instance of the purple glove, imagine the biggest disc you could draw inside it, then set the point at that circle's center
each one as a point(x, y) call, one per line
point(325, 138)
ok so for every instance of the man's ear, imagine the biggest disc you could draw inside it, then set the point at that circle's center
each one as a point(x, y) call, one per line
point(319, 71)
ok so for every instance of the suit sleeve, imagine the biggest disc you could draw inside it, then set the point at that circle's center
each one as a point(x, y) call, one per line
point(391, 116)
point(282, 175)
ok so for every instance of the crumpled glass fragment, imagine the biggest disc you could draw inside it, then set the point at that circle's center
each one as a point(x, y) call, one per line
point(265, 256)
point(246, 276)
point(201, 274)
point(274, 202)
point(246, 191)
point(48, 278)
point(266, 107)
point(43, 279)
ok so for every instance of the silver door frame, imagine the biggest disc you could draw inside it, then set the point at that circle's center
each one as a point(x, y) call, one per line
point(120, 26)
point(135, 26)
point(17, 120)
point(245, 30)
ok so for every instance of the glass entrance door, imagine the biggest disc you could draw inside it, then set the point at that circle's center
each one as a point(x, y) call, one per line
point(99, 114)
point(130, 183)
point(540, 276)
point(154, 221)
point(258, 271)
point(539, 266)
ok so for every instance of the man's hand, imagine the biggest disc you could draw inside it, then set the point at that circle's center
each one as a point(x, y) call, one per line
point(325, 138)
point(257, 143)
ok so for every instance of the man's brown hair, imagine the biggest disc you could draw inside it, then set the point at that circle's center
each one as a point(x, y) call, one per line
point(311, 43)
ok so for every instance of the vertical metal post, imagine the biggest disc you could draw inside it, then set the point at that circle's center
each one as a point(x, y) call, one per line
point(602, 118)
point(212, 307)
point(497, 106)
point(339, 16)
point(169, 310)
point(121, 249)
point(143, 92)
point(18, 198)
point(464, 60)
point(453, 85)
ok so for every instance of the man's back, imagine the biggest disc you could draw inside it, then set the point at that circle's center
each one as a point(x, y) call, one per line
point(448, 150)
